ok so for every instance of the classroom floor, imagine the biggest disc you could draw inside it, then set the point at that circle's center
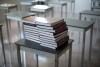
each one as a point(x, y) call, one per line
point(11, 54)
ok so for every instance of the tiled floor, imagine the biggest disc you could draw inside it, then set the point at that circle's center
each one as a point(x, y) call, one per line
point(47, 62)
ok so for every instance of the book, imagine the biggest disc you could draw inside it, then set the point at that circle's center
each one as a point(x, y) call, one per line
point(46, 45)
point(45, 38)
point(52, 27)
point(30, 24)
point(62, 41)
point(48, 21)
point(51, 34)
point(38, 41)
point(58, 44)
point(29, 19)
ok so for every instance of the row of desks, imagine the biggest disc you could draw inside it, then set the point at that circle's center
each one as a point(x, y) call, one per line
point(77, 25)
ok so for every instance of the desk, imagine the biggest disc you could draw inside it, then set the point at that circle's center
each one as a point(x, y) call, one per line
point(7, 7)
point(81, 26)
point(72, 4)
point(41, 9)
point(17, 16)
point(90, 13)
point(2, 44)
point(93, 4)
point(62, 4)
point(38, 50)
point(27, 3)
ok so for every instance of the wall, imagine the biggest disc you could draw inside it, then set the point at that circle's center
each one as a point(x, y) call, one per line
point(80, 5)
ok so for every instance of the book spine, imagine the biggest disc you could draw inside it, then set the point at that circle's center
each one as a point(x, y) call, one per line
point(62, 41)
point(58, 25)
point(30, 24)
point(65, 32)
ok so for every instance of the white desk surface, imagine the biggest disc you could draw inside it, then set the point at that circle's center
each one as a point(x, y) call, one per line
point(5, 5)
point(40, 8)
point(27, 2)
point(18, 15)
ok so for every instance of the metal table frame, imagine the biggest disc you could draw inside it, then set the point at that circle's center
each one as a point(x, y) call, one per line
point(72, 4)
point(2, 43)
point(17, 16)
point(82, 27)
point(90, 13)
point(8, 8)
point(34, 47)
point(62, 4)
point(93, 2)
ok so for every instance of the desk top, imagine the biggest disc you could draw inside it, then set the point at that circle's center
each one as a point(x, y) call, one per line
point(27, 2)
point(70, 0)
point(5, 6)
point(18, 15)
point(37, 46)
point(44, 7)
point(78, 23)
point(96, 0)
point(96, 7)
point(57, 3)
point(89, 12)
point(67, 0)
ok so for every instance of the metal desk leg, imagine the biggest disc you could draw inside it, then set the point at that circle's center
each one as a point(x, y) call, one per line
point(8, 30)
point(24, 56)
point(79, 37)
point(56, 61)
point(9, 40)
point(91, 35)
point(37, 62)
point(79, 16)
point(65, 60)
point(71, 7)
point(83, 49)
point(66, 11)
point(74, 9)
point(91, 4)
point(45, 13)
point(2, 47)
point(18, 55)
point(70, 56)
point(61, 11)
point(19, 29)
point(52, 12)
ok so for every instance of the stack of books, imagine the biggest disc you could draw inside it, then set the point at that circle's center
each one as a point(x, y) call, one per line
point(49, 32)
point(31, 32)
